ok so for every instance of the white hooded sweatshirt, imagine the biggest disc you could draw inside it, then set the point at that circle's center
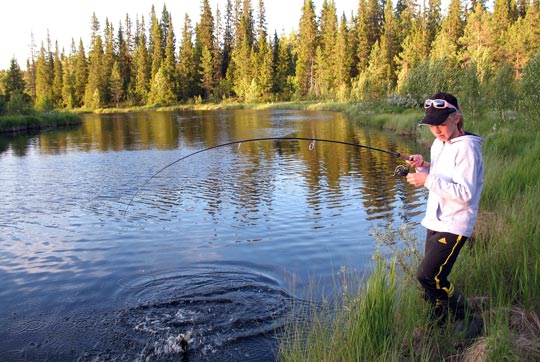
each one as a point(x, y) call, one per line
point(455, 181)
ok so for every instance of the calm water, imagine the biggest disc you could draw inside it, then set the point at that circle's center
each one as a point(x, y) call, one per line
point(100, 261)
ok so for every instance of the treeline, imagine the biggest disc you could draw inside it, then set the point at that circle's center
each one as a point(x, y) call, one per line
point(407, 51)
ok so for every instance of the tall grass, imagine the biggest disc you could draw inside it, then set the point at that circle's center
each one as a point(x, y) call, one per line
point(500, 266)
point(363, 329)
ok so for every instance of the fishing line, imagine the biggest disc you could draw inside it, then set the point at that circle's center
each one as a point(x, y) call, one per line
point(399, 171)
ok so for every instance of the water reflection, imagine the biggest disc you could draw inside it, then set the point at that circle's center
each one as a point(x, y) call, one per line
point(264, 217)
point(257, 163)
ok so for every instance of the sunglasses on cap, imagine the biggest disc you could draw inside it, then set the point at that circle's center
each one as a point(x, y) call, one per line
point(438, 103)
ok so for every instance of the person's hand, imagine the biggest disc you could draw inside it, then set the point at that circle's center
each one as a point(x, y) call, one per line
point(416, 161)
point(417, 179)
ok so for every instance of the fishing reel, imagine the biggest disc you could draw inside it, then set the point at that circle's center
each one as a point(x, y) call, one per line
point(401, 171)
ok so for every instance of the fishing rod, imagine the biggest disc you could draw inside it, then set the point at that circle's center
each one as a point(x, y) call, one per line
point(399, 171)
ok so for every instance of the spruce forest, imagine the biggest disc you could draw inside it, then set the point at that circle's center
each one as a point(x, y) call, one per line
point(485, 53)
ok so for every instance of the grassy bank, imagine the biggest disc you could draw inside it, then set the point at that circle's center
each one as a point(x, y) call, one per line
point(37, 121)
point(499, 270)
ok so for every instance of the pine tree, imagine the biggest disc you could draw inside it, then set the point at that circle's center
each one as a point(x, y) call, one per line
point(169, 65)
point(109, 58)
point(344, 60)
point(228, 39)
point(478, 42)
point(124, 60)
point(14, 86)
point(414, 50)
point(261, 24)
point(116, 85)
point(246, 28)
point(206, 71)
point(307, 44)
point(445, 47)
point(522, 8)
point(218, 36)
point(44, 76)
point(187, 64)
point(375, 17)
point(163, 89)
point(517, 47)
point(30, 74)
point(13, 83)
point(362, 36)
point(326, 65)
point(377, 72)
point(160, 91)
point(142, 65)
point(205, 49)
point(94, 95)
point(532, 31)
point(81, 75)
point(433, 19)
point(57, 80)
point(454, 23)
point(389, 46)
point(406, 15)
point(237, 15)
point(369, 25)
point(513, 10)
point(283, 66)
point(166, 24)
point(241, 71)
point(68, 78)
point(519, 43)
point(155, 43)
point(264, 70)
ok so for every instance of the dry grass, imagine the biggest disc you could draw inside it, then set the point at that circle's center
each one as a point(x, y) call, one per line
point(477, 352)
point(525, 328)
point(525, 324)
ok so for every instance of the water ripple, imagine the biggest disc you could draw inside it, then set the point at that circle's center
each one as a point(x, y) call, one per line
point(218, 308)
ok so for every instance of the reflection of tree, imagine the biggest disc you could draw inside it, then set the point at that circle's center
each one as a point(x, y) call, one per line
point(325, 166)
point(19, 144)
point(255, 166)
point(116, 132)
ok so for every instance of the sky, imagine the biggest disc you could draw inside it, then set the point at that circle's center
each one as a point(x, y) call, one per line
point(70, 19)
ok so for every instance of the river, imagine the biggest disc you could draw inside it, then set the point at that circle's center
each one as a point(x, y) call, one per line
point(103, 257)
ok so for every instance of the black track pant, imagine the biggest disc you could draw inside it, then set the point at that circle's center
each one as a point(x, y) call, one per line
point(441, 252)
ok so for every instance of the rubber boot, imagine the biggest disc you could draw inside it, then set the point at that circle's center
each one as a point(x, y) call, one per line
point(438, 312)
point(467, 324)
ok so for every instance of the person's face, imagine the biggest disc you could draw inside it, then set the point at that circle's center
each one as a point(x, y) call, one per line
point(448, 129)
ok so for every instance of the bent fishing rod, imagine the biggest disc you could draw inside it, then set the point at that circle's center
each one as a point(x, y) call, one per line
point(399, 171)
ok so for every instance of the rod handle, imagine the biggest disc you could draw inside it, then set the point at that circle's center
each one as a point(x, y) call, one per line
point(404, 157)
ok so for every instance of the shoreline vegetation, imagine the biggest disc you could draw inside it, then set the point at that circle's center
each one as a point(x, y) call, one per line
point(381, 316)
point(381, 114)
point(37, 121)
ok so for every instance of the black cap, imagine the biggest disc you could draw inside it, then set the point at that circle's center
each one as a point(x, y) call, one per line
point(436, 116)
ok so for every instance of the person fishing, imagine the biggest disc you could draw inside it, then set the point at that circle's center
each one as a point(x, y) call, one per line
point(454, 178)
